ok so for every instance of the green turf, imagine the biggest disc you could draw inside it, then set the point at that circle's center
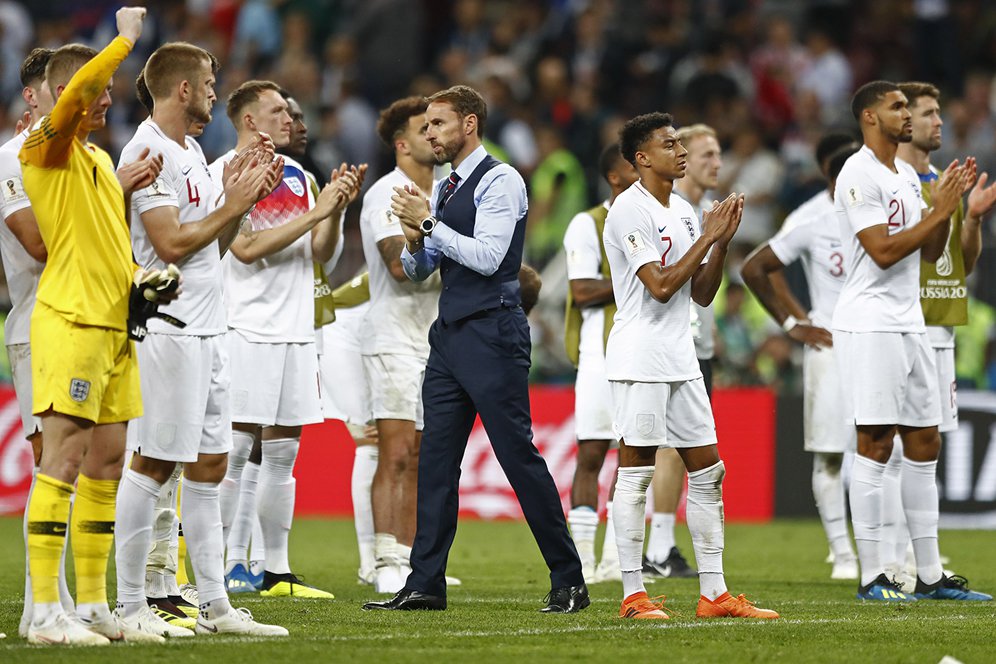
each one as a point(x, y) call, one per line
point(493, 616)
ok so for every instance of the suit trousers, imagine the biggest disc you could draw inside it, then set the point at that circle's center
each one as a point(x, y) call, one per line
point(480, 365)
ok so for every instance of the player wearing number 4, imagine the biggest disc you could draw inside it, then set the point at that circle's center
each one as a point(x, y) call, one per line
point(185, 371)
point(884, 356)
point(660, 259)
point(811, 233)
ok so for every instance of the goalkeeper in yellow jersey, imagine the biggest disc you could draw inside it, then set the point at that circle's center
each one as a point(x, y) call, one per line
point(84, 373)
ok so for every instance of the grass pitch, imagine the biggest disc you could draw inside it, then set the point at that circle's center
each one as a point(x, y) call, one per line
point(493, 616)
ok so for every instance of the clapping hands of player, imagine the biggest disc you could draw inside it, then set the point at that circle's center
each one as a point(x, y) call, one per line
point(812, 335)
point(410, 206)
point(140, 173)
point(721, 222)
point(22, 123)
point(947, 191)
point(251, 181)
point(350, 180)
point(981, 199)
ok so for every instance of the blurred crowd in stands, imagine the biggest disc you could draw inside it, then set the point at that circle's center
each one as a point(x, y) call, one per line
point(560, 78)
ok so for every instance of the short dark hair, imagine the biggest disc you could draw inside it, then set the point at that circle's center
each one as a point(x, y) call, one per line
point(870, 94)
point(142, 92)
point(33, 67)
point(394, 119)
point(247, 93)
point(916, 89)
point(835, 162)
point(608, 159)
point(174, 62)
point(831, 142)
point(636, 132)
point(465, 100)
point(66, 61)
point(530, 284)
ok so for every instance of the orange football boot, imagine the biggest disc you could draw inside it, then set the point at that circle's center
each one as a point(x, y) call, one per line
point(640, 607)
point(728, 606)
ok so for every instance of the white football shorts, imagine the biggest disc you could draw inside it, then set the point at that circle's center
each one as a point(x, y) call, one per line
point(826, 427)
point(185, 394)
point(274, 383)
point(345, 391)
point(19, 356)
point(395, 386)
point(947, 388)
point(593, 401)
point(888, 378)
point(663, 414)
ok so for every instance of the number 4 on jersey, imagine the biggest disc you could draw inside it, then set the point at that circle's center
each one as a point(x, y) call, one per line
point(193, 194)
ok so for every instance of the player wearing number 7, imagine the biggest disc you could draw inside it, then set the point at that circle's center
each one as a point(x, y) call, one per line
point(811, 234)
point(884, 356)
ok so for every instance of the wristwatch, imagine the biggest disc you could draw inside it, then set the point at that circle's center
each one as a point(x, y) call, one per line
point(427, 225)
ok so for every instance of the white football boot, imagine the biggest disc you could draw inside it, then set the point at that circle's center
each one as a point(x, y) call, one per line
point(237, 621)
point(61, 630)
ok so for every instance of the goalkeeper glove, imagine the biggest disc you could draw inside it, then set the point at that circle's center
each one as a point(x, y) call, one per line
point(147, 290)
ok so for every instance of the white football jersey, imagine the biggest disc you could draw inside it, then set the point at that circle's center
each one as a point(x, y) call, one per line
point(400, 313)
point(811, 234)
point(870, 194)
point(184, 183)
point(650, 341)
point(272, 300)
point(584, 261)
point(22, 271)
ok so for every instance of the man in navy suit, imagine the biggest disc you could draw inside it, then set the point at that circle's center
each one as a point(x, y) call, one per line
point(473, 231)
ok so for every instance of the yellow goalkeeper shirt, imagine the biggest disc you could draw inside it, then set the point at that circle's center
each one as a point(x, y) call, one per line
point(79, 204)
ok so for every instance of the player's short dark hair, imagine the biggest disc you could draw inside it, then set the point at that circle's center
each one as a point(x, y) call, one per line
point(916, 89)
point(465, 100)
point(870, 94)
point(835, 162)
point(394, 119)
point(831, 142)
point(33, 67)
point(172, 63)
point(608, 159)
point(142, 92)
point(66, 61)
point(530, 284)
point(636, 132)
point(246, 94)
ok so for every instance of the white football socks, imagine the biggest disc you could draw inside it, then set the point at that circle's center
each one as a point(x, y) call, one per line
point(583, 522)
point(920, 502)
point(610, 552)
point(158, 564)
point(245, 516)
point(866, 514)
point(364, 467)
point(231, 486)
point(828, 490)
point(205, 543)
point(661, 538)
point(704, 510)
point(134, 513)
point(629, 509)
point(275, 501)
point(895, 536)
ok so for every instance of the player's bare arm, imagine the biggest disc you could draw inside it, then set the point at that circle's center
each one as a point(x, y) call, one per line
point(390, 252)
point(24, 226)
point(591, 292)
point(325, 235)
point(981, 200)
point(759, 272)
point(887, 250)
point(722, 221)
point(411, 206)
point(663, 282)
point(251, 245)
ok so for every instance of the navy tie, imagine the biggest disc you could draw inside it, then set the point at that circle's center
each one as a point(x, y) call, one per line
point(448, 189)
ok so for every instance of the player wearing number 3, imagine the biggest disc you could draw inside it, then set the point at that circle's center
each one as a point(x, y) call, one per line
point(811, 233)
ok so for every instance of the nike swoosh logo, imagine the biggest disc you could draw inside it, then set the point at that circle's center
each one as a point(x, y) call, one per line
point(210, 628)
point(186, 170)
point(895, 192)
point(661, 229)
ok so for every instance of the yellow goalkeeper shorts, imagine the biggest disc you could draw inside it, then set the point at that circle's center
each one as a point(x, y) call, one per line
point(83, 371)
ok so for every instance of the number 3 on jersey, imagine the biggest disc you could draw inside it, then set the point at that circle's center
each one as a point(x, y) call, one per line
point(193, 194)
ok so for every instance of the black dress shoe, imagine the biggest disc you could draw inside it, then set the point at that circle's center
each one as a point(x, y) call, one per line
point(413, 600)
point(568, 599)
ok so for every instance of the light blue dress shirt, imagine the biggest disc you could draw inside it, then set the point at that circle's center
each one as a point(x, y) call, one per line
point(500, 198)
